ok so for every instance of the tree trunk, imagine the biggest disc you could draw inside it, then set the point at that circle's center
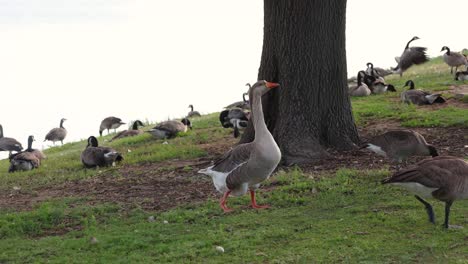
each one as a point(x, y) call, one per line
point(304, 51)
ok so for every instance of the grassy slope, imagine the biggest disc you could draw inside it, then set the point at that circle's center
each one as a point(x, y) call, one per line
point(347, 216)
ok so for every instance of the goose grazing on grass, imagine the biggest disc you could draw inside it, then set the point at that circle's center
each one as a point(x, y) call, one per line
point(168, 129)
point(245, 166)
point(110, 122)
point(193, 113)
point(453, 59)
point(57, 134)
point(419, 97)
point(9, 144)
point(444, 178)
point(361, 89)
point(399, 145)
point(95, 156)
point(131, 132)
point(410, 56)
point(461, 76)
point(26, 160)
point(234, 117)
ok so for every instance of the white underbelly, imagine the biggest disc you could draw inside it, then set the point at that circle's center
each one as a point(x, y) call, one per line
point(417, 188)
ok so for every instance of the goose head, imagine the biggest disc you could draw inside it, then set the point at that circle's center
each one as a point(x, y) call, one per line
point(191, 107)
point(391, 88)
point(61, 121)
point(136, 124)
point(243, 97)
point(414, 38)
point(1, 131)
point(445, 48)
point(92, 142)
point(186, 122)
point(262, 87)
point(409, 83)
point(30, 142)
point(370, 65)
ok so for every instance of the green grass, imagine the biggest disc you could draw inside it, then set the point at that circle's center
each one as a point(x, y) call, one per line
point(346, 216)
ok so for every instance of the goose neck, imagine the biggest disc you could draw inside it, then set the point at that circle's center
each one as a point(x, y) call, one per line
point(257, 115)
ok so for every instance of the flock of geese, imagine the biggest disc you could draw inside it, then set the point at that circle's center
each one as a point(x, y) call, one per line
point(243, 168)
point(93, 155)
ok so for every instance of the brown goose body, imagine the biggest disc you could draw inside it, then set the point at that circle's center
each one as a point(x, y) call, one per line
point(399, 145)
point(168, 129)
point(26, 160)
point(57, 134)
point(131, 132)
point(419, 97)
point(9, 144)
point(444, 178)
point(245, 166)
point(110, 122)
point(360, 89)
point(453, 59)
point(95, 156)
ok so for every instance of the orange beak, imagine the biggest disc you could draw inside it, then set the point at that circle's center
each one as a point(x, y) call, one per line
point(271, 85)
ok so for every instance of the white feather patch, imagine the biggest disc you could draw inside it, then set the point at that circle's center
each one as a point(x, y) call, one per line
point(378, 150)
point(417, 188)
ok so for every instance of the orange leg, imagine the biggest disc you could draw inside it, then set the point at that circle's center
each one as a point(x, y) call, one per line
point(254, 202)
point(222, 203)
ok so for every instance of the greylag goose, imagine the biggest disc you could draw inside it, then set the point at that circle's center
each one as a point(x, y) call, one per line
point(9, 144)
point(245, 166)
point(95, 156)
point(168, 129)
point(193, 113)
point(419, 97)
point(131, 132)
point(26, 160)
point(444, 178)
point(361, 89)
point(57, 134)
point(398, 145)
point(110, 122)
point(234, 117)
point(453, 59)
point(410, 56)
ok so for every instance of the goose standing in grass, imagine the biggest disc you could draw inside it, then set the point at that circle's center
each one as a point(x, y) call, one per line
point(192, 113)
point(399, 145)
point(444, 178)
point(361, 89)
point(9, 144)
point(131, 132)
point(95, 156)
point(57, 134)
point(453, 59)
point(410, 56)
point(235, 118)
point(110, 122)
point(168, 129)
point(26, 160)
point(245, 166)
point(419, 97)
point(461, 76)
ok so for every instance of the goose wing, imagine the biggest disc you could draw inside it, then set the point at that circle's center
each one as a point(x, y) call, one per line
point(10, 144)
point(233, 158)
point(56, 133)
point(28, 156)
point(413, 55)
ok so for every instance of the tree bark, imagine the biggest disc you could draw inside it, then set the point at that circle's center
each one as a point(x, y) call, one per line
point(304, 51)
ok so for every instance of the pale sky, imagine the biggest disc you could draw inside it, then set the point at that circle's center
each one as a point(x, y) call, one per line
point(149, 59)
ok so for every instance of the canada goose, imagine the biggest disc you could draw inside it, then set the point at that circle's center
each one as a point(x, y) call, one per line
point(245, 166)
point(461, 76)
point(444, 178)
point(453, 59)
point(57, 134)
point(187, 123)
point(380, 87)
point(234, 117)
point(193, 113)
point(244, 104)
point(110, 122)
point(410, 56)
point(9, 144)
point(399, 145)
point(168, 129)
point(376, 71)
point(131, 132)
point(95, 156)
point(419, 97)
point(26, 160)
point(361, 89)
